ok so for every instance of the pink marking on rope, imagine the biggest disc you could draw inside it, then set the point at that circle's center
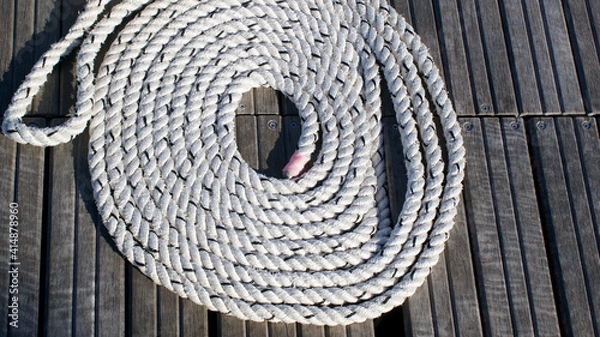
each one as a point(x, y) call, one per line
point(295, 165)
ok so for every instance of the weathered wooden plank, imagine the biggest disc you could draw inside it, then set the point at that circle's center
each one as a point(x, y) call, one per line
point(589, 144)
point(230, 326)
point(61, 240)
point(418, 318)
point(402, 7)
point(482, 92)
point(86, 222)
point(8, 154)
point(141, 295)
point(23, 30)
point(257, 329)
point(245, 133)
point(194, 319)
point(167, 313)
point(335, 331)
point(509, 241)
point(7, 19)
point(567, 258)
point(364, 329)
point(454, 57)
point(461, 277)
point(29, 195)
point(585, 50)
point(110, 286)
point(441, 300)
point(540, 303)
point(524, 76)
point(496, 57)
point(311, 331)
point(246, 104)
point(47, 31)
point(271, 152)
point(494, 302)
point(265, 101)
point(562, 56)
point(585, 230)
point(529, 229)
point(541, 55)
point(423, 19)
point(282, 330)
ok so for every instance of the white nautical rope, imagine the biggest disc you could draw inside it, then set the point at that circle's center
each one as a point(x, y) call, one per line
point(188, 211)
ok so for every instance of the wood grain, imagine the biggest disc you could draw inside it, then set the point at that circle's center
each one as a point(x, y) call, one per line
point(496, 57)
point(461, 278)
point(482, 93)
point(529, 231)
point(86, 228)
point(586, 52)
point(543, 68)
point(167, 313)
point(194, 319)
point(141, 295)
point(521, 58)
point(61, 241)
point(483, 221)
point(230, 326)
point(562, 56)
point(454, 57)
point(561, 230)
point(30, 195)
point(8, 154)
point(110, 287)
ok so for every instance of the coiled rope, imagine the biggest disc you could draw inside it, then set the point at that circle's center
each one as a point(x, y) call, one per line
point(188, 211)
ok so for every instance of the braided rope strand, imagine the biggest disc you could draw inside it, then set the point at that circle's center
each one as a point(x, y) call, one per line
point(184, 207)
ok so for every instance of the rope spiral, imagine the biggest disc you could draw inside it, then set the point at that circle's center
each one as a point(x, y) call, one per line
point(186, 209)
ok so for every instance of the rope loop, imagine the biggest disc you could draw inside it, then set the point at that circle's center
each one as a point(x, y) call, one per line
point(184, 207)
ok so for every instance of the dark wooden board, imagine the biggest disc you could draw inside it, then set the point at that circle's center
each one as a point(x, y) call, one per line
point(141, 294)
point(585, 50)
point(282, 330)
point(482, 93)
point(230, 326)
point(8, 151)
point(589, 142)
point(461, 278)
point(110, 286)
point(541, 54)
point(364, 329)
point(311, 331)
point(454, 55)
point(533, 282)
point(562, 56)
point(257, 329)
point(167, 313)
point(8, 155)
point(61, 241)
point(521, 58)
point(485, 239)
point(194, 319)
point(496, 57)
point(417, 313)
point(85, 254)
point(29, 195)
point(573, 259)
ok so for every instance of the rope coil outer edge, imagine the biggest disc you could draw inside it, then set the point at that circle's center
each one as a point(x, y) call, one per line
point(188, 211)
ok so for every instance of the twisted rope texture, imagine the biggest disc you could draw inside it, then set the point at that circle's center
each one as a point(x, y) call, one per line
point(188, 211)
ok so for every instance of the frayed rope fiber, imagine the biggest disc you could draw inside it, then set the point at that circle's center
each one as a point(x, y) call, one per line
point(185, 208)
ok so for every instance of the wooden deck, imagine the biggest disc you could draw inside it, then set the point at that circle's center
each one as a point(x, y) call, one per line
point(523, 259)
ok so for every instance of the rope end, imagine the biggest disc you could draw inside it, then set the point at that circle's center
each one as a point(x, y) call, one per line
point(295, 166)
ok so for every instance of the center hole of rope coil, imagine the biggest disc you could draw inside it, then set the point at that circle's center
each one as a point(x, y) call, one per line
point(267, 131)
